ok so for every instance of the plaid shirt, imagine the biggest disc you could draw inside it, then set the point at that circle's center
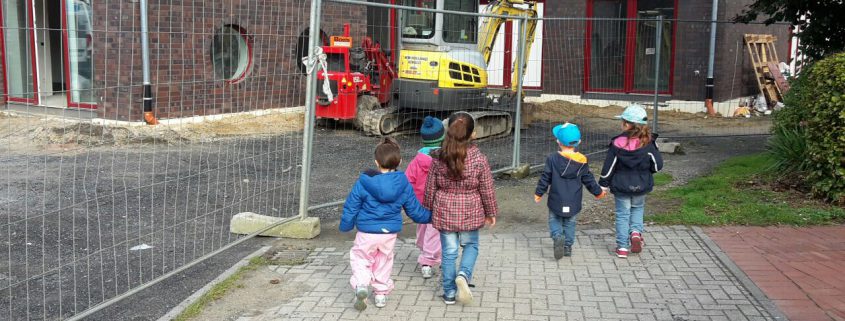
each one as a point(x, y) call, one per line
point(461, 205)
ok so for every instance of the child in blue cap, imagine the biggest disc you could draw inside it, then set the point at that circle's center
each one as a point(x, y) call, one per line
point(632, 159)
point(565, 175)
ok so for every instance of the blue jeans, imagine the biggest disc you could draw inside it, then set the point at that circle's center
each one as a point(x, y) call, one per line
point(450, 241)
point(629, 217)
point(562, 227)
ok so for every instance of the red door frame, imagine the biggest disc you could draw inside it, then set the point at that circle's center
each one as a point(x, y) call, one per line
point(32, 53)
point(630, 52)
point(66, 54)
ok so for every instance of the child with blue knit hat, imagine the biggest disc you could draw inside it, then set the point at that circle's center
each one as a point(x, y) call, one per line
point(428, 238)
point(564, 176)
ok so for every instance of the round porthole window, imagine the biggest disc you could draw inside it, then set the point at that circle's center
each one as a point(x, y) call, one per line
point(231, 53)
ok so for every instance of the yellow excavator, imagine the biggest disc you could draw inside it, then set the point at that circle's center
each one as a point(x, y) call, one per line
point(442, 66)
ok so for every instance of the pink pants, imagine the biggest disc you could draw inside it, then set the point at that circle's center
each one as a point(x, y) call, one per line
point(371, 260)
point(428, 241)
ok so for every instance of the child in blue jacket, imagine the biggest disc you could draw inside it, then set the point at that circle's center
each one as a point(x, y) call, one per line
point(375, 206)
point(564, 176)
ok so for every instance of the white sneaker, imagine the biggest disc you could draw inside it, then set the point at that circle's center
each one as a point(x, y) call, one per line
point(427, 272)
point(464, 294)
point(381, 300)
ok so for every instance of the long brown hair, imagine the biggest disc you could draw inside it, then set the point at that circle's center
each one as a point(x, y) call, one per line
point(454, 149)
point(638, 131)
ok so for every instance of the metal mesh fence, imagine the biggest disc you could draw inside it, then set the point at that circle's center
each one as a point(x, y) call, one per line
point(95, 203)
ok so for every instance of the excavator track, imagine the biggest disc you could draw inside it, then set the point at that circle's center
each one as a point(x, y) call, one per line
point(490, 124)
point(383, 122)
point(388, 121)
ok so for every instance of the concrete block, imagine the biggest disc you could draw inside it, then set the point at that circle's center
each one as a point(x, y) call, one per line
point(520, 172)
point(670, 148)
point(248, 223)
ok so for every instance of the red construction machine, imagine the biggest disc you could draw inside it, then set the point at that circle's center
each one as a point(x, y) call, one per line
point(360, 78)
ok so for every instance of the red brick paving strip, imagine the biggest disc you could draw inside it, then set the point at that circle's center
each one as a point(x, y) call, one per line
point(802, 270)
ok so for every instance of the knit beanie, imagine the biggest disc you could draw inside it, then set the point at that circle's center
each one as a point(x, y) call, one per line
point(432, 131)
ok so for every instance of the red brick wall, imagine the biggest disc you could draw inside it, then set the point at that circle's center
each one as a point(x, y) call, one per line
point(182, 74)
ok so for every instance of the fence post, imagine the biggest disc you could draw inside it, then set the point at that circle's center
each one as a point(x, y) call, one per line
point(658, 33)
point(519, 70)
point(310, 105)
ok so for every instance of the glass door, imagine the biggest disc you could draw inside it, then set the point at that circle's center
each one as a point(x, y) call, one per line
point(606, 45)
point(644, 60)
point(79, 53)
point(18, 40)
point(621, 49)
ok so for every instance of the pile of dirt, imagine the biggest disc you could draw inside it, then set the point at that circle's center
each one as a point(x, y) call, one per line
point(670, 120)
point(26, 132)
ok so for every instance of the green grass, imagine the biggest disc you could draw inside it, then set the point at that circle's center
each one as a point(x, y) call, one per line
point(219, 290)
point(662, 178)
point(736, 193)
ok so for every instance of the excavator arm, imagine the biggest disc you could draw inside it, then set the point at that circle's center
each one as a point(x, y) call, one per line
point(489, 30)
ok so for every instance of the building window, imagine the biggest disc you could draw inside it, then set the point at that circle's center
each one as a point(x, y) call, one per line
point(302, 47)
point(231, 53)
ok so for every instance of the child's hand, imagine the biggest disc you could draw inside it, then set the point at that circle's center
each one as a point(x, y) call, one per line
point(537, 198)
point(602, 195)
point(490, 221)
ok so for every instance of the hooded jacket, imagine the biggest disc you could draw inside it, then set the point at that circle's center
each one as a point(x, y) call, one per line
point(564, 177)
point(376, 201)
point(461, 205)
point(629, 171)
point(417, 171)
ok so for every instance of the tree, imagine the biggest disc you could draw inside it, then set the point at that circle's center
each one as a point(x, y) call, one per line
point(820, 23)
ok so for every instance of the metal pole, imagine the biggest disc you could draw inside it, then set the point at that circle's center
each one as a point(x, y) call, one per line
point(145, 66)
point(520, 70)
point(310, 106)
point(708, 101)
point(658, 34)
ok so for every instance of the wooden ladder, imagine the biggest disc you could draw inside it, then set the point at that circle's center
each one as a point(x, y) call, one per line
point(764, 58)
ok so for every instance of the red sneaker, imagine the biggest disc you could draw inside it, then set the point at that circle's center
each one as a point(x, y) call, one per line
point(622, 252)
point(636, 242)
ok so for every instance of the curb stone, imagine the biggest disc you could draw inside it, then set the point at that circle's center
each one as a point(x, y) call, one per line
point(173, 313)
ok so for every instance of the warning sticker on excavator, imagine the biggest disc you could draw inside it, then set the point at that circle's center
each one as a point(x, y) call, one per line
point(340, 41)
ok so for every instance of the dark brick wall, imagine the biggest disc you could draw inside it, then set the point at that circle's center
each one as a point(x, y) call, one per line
point(182, 74)
point(563, 56)
point(734, 74)
point(563, 47)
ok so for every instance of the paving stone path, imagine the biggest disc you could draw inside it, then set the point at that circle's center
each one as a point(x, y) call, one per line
point(677, 277)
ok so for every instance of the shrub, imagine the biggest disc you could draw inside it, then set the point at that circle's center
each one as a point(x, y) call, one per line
point(788, 150)
point(822, 96)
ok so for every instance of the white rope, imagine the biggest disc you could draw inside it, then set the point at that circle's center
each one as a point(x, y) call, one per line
point(311, 62)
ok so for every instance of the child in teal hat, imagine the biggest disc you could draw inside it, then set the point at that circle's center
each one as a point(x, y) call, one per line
point(628, 172)
point(564, 177)
point(432, 133)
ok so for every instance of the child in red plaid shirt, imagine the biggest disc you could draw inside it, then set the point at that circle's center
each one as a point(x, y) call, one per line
point(459, 190)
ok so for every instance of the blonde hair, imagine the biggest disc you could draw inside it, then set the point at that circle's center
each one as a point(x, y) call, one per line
point(638, 131)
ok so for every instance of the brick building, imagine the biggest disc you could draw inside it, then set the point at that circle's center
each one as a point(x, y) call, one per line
point(207, 57)
point(223, 56)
